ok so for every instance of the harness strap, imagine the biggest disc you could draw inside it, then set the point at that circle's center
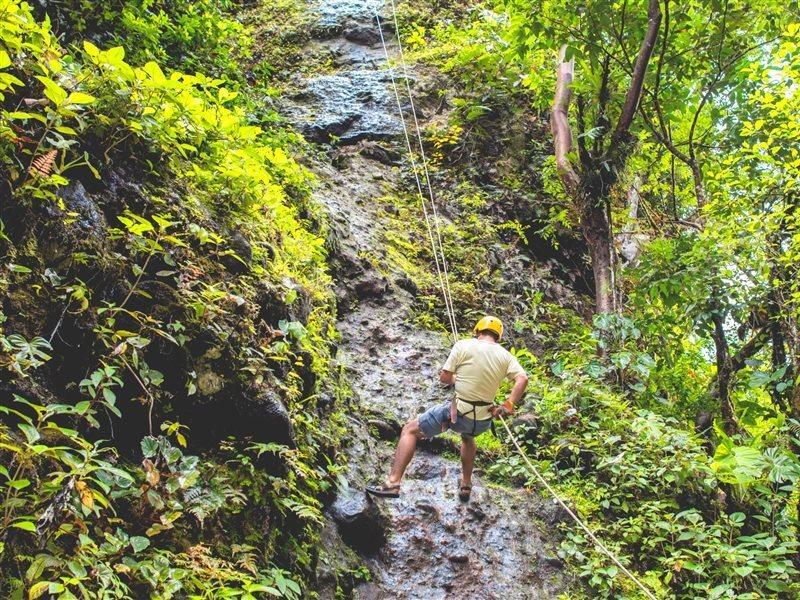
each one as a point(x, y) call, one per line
point(473, 411)
point(476, 402)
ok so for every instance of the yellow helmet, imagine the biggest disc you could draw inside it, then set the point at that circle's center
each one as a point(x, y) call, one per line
point(492, 324)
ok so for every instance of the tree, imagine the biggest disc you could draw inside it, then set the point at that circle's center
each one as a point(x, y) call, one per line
point(590, 182)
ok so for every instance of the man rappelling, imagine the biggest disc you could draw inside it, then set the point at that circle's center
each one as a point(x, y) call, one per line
point(477, 368)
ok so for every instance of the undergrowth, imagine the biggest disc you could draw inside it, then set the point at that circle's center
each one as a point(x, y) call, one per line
point(163, 277)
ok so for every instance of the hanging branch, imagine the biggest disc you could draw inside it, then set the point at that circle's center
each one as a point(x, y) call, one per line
point(559, 123)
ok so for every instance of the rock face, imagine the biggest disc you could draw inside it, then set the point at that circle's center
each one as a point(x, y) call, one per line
point(361, 522)
point(427, 544)
point(90, 220)
point(354, 103)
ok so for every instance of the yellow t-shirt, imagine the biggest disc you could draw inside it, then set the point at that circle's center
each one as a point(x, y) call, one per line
point(480, 367)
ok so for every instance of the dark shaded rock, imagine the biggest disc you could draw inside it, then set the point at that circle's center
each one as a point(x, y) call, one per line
point(476, 513)
point(265, 418)
point(324, 132)
point(361, 523)
point(527, 424)
point(551, 560)
point(387, 430)
point(366, 35)
point(240, 263)
point(407, 284)
point(554, 514)
point(90, 221)
point(336, 566)
point(371, 285)
point(271, 306)
point(121, 193)
point(379, 153)
point(221, 409)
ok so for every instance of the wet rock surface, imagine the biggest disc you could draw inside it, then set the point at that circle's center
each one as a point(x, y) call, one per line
point(426, 544)
point(354, 103)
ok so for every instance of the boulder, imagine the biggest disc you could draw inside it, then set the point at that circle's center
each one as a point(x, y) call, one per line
point(379, 153)
point(240, 245)
point(358, 33)
point(361, 523)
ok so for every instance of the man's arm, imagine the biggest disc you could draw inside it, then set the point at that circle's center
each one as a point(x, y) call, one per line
point(447, 377)
point(507, 408)
point(520, 383)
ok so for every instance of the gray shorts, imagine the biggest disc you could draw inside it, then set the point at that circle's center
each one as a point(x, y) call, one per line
point(435, 420)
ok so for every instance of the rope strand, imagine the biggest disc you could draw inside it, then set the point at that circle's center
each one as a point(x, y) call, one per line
point(422, 152)
point(575, 517)
point(438, 251)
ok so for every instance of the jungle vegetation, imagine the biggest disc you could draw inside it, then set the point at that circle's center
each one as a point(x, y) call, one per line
point(657, 141)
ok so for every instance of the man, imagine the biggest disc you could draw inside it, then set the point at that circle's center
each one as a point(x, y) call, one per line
point(476, 367)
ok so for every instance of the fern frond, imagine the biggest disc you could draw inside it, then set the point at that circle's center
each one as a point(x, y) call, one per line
point(42, 165)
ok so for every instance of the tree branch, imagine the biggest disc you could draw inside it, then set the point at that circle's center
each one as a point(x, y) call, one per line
point(639, 71)
point(559, 123)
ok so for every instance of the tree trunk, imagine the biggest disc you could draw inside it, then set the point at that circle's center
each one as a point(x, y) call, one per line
point(597, 232)
point(723, 381)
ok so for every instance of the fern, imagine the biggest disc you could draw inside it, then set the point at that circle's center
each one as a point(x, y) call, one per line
point(42, 165)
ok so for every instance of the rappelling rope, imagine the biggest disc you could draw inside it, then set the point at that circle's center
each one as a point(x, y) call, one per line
point(418, 130)
point(572, 514)
point(444, 282)
point(438, 251)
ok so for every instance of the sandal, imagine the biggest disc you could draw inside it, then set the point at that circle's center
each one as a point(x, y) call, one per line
point(385, 490)
point(464, 491)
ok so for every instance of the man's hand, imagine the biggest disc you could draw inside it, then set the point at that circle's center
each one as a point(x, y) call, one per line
point(507, 408)
point(504, 410)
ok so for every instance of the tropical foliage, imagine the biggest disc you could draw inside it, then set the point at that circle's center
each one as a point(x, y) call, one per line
point(671, 423)
point(161, 291)
point(170, 410)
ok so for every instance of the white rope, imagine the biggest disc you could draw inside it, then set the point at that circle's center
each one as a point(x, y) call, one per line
point(438, 253)
point(422, 151)
point(438, 250)
point(575, 517)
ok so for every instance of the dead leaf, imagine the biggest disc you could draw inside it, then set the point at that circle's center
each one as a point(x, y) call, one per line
point(85, 493)
point(151, 473)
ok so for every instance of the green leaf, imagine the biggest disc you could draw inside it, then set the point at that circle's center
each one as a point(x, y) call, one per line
point(25, 525)
point(261, 587)
point(31, 433)
point(18, 268)
point(109, 396)
point(54, 92)
point(139, 543)
point(79, 98)
point(149, 446)
point(744, 570)
point(37, 589)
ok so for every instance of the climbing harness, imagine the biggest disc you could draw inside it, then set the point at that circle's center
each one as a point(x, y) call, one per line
point(474, 412)
point(443, 275)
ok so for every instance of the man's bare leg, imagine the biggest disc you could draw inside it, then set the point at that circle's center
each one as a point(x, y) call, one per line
point(468, 450)
point(405, 450)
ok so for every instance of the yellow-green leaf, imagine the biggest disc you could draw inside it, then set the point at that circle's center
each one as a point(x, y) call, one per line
point(80, 98)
